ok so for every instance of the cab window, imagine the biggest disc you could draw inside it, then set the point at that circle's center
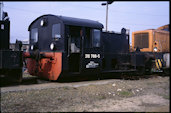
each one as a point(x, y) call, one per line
point(96, 37)
point(56, 31)
point(34, 35)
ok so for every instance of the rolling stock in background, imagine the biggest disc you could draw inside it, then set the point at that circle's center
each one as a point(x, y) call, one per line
point(11, 62)
point(156, 42)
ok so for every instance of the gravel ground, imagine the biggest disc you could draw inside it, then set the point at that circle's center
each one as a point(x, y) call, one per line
point(144, 95)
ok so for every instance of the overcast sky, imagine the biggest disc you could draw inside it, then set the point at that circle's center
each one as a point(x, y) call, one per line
point(130, 15)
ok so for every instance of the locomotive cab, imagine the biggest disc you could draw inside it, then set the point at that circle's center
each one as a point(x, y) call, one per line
point(60, 45)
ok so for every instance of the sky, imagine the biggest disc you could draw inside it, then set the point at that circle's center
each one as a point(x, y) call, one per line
point(132, 15)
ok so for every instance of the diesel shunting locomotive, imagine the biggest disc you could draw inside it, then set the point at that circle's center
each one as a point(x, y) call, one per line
point(63, 46)
point(156, 42)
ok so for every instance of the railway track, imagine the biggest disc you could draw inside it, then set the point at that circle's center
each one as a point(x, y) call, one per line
point(5, 82)
point(31, 80)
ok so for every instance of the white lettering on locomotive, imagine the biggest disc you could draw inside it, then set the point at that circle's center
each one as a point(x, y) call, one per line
point(87, 55)
point(92, 64)
point(92, 55)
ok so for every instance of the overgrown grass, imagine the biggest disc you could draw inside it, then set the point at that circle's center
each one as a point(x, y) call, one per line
point(26, 75)
point(166, 97)
point(66, 88)
point(101, 97)
point(125, 93)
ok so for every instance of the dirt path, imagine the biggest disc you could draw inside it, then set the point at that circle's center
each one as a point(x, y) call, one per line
point(145, 103)
point(145, 95)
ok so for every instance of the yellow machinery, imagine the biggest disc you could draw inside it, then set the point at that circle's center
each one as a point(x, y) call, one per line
point(156, 41)
point(152, 40)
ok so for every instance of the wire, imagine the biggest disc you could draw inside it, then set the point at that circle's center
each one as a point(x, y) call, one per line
point(113, 11)
point(134, 24)
point(82, 6)
point(24, 10)
point(117, 11)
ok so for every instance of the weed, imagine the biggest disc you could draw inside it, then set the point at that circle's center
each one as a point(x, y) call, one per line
point(166, 97)
point(125, 93)
point(102, 97)
point(66, 88)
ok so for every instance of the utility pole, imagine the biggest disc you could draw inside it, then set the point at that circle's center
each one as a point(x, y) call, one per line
point(1, 10)
point(107, 3)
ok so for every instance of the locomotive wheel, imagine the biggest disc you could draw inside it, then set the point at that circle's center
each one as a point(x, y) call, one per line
point(166, 72)
point(19, 76)
point(148, 66)
point(141, 70)
point(15, 75)
point(148, 71)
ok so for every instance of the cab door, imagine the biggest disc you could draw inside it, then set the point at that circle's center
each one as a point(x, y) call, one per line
point(74, 48)
point(91, 58)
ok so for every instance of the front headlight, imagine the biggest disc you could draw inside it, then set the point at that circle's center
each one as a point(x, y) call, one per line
point(155, 49)
point(52, 46)
point(32, 47)
point(42, 23)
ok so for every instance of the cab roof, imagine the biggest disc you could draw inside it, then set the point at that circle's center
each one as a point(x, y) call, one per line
point(72, 21)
